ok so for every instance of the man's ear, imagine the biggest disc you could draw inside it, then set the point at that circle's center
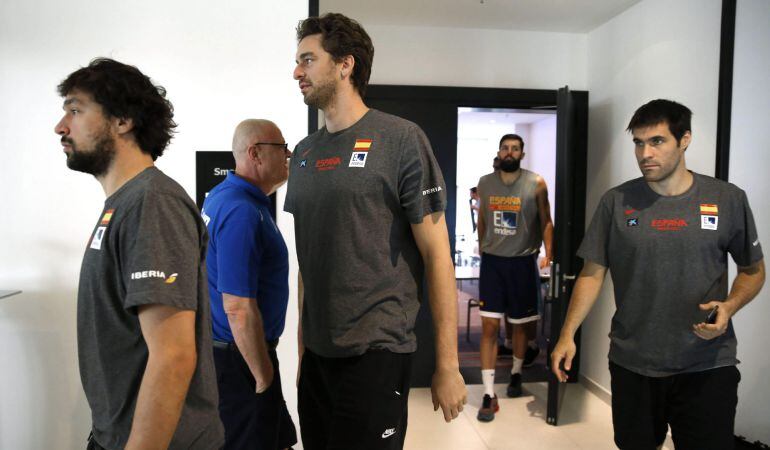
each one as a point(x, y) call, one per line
point(348, 63)
point(124, 125)
point(685, 141)
point(253, 152)
point(522, 156)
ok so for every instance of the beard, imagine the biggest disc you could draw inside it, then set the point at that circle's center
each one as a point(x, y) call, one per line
point(323, 94)
point(95, 161)
point(510, 165)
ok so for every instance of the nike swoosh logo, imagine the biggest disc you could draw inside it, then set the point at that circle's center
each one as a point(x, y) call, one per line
point(755, 243)
point(388, 433)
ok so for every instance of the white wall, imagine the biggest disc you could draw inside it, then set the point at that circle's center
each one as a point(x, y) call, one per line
point(432, 56)
point(655, 49)
point(220, 64)
point(749, 160)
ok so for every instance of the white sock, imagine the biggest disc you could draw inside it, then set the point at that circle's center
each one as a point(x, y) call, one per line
point(532, 344)
point(508, 343)
point(488, 378)
point(517, 363)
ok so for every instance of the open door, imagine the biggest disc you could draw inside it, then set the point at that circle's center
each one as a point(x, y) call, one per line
point(569, 225)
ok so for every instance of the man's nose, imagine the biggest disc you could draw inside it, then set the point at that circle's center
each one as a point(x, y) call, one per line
point(61, 128)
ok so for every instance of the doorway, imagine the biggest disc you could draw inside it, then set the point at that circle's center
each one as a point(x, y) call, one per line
point(478, 134)
point(435, 110)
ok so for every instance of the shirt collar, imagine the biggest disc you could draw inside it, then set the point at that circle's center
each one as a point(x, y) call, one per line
point(255, 192)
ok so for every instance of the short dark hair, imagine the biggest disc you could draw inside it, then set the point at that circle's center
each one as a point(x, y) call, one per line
point(515, 137)
point(342, 36)
point(125, 92)
point(655, 112)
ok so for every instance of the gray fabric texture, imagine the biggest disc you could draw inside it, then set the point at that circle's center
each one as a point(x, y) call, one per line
point(666, 257)
point(510, 215)
point(150, 251)
point(360, 265)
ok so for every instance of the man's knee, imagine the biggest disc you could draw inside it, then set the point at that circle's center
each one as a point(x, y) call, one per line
point(489, 327)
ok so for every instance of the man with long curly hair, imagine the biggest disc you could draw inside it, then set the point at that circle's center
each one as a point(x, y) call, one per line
point(144, 327)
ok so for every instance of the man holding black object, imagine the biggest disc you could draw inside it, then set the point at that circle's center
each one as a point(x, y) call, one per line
point(665, 238)
point(248, 268)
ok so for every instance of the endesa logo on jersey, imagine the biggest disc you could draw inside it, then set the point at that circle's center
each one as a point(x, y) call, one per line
point(328, 163)
point(668, 224)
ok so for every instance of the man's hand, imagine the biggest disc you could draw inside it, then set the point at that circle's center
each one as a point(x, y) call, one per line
point(564, 351)
point(711, 330)
point(448, 391)
point(264, 376)
point(545, 262)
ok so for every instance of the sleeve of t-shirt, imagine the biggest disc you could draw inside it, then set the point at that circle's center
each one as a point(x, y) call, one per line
point(744, 244)
point(594, 247)
point(160, 244)
point(239, 253)
point(421, 186)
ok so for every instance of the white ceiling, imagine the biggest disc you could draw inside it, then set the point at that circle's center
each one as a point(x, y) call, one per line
point(569, 16)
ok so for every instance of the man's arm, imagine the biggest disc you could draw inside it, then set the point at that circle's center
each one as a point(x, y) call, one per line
point(249, 333)
point(746, 286)
point(546, 224)
point(447, 387)
point(170, 336)
point(481, 226)
point(584, 295)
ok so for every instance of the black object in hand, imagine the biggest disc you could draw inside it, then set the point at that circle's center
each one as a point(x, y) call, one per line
point(712, 317)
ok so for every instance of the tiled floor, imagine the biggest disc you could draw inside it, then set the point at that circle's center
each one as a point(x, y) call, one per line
point(585, 422)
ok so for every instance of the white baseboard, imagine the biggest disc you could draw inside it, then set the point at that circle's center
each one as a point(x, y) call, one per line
point(596, 389)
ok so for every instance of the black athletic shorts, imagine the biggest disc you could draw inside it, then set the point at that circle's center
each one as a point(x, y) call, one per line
point(698, 406)
point(509, 286)
point(252, 421)
point(354, 403)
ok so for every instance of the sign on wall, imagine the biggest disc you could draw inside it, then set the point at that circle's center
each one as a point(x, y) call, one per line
point(211, 168)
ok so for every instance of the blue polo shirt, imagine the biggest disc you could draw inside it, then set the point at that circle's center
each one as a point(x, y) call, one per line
point(246, 256)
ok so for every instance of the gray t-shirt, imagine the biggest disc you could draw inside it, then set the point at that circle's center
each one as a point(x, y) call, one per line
point(354, 195)
point(510, 215)
point(666, 256)
point(148, 247)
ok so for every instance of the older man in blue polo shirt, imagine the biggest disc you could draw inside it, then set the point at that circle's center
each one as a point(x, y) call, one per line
point(248, 268)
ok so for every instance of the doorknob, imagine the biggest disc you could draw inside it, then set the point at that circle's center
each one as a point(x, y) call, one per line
point(554, 287)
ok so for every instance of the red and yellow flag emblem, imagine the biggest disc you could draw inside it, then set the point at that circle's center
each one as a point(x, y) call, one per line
point(107, 216)
point(362, 145)
point(711, 210)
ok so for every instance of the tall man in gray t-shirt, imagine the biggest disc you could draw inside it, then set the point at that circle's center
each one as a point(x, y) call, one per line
point(665, 238)
point(144, 327)
point(368, 203)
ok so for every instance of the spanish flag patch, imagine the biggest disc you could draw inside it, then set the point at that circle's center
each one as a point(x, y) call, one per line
point(362, 145)
point(107, 216)
point(709, 209)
